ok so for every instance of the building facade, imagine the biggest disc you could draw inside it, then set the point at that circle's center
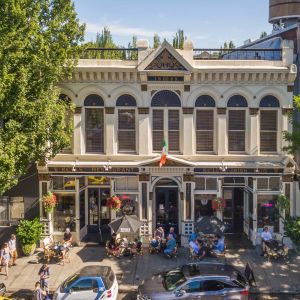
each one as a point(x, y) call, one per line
point(222, 115)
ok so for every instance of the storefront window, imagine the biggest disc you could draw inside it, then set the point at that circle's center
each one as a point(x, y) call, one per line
point(82, 209)
point(250, 182)
point(267, 213)
point(206, 183)
point(63, 183)
point(64, 212)
point(203, 205)
point(98, 180)
point(268, 184)
point(129, 205)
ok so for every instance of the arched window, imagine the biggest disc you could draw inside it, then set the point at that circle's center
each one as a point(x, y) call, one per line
point(126, 123)
point(169, 130)
point(205, 123)
point(94, 124)
point(237, 124)
point(93, 100)
point(166, 99)
point(237, 101)
point(268, 124)
point(205, 101)
point(126, 100)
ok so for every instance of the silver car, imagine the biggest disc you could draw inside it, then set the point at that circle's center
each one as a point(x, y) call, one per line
point(206, 281)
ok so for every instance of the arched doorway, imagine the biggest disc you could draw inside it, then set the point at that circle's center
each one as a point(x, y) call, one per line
point(166, 205)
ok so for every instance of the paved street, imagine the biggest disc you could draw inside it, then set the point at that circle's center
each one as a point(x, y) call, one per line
point(272, 277)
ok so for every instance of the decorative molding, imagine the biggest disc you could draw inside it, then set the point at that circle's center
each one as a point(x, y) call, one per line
point(144, 177)
point(78, 110)
point(144, 87)
point(44, 177)
point(165, 61)
point(109, 110)
point(181, 196)
point(188, 177)
point(286, 111)
point(151, 196)
point(221, 110)
point(153, 92)
point(178, 92)
point(187, 88)
point(143, 110)
point(188, 110)
point(288, 178)
point(254, 111)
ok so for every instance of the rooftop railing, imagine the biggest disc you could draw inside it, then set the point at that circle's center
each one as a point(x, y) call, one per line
point(110, 53)
point(238, 54)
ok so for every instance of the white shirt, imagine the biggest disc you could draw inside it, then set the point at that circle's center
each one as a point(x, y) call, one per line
point(12, 245)
point(266, 236)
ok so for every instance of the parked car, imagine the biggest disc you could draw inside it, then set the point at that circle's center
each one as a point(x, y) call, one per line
point(203, 280)
point(89, 283)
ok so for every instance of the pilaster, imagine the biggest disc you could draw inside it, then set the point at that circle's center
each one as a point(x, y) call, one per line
point(222, 147)
point(110, 132)
point(77, 149)
point(188, 137)
point(253, 131)
point(144, 145)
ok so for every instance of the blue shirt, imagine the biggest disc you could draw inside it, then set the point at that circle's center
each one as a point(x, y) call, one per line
point(173, 234)
point(220, 245)
point(171, 244)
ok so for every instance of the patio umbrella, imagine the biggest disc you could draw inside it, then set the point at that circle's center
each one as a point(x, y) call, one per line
point(210, 225)
point(126, 224)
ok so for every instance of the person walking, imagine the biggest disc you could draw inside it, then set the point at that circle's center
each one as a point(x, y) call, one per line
point(38, 293)
point(44, 274)
point(5, 257)
point(12, 244)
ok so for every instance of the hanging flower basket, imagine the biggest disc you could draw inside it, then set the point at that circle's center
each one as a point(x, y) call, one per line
point(49, 202)
point(219, 204)
point(114, 202)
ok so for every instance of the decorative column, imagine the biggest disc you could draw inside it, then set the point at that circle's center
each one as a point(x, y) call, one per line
point(77, 135)
point(44, 187)
point(77, 211)
point(254, 219)
point(253, 132)
point(222, 145)
point(219, 195)
point(145, 206)
point(110, 132)
point(144, 137)
point(188, 134)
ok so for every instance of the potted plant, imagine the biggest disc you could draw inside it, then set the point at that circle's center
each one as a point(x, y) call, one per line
point(49, 202)
point(292, 230)
point(29, 233)
point(218, 204)
point(114, 202)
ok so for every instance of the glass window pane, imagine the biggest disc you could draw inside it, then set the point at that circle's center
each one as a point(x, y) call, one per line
point(237, 120)
point(200, 183)
point(262, 183)
point(211, 183)
point(274, 183)
point(267, 213)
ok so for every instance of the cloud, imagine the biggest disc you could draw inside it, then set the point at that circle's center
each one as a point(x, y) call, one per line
point(121, 30)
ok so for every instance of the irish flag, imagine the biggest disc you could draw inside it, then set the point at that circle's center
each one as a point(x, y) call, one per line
point(164, 154)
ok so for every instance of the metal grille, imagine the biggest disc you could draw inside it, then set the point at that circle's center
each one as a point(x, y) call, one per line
point(268, 131)
point(205, 130)
point(94, 123)
point(126, 130)
point(236, 131)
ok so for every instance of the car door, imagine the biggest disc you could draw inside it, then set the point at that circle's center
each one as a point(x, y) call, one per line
point(212, 289)
point(85, 288)
point(189, 290)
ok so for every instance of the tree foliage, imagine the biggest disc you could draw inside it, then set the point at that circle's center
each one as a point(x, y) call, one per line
point(39, 47)
point(179, 39)
point(293, 138)
point(263, 34)
point(156, 41)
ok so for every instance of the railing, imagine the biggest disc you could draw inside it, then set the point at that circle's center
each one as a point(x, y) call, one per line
point(238, 54)
point(110, 53)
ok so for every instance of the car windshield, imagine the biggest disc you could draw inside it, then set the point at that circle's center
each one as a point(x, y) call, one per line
point(69, 281)
point(173, 279)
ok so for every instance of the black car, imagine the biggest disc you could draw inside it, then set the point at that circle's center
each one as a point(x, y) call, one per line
point(203, 280)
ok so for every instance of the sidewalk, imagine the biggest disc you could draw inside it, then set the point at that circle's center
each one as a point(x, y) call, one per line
point(271, 277)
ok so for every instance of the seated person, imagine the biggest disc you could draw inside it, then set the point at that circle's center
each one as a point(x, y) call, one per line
point(112, 246)
point(266, 237)
point(155, 243)
point(219, 246)
point(199, 249)
point(159, 232)
point(68, 238)
point(47, 242)
point(172, 231)
point(171, 245)
point(193, 237)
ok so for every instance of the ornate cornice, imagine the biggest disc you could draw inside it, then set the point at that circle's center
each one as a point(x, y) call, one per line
point(187, 110)
point(253, 111)
point(78, 110)
point(109, 110)
point(143, 110)
point(221, 110)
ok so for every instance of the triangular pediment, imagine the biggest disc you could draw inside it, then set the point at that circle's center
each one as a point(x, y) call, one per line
point(165, 58)
point(171, 162)
point(165, 61)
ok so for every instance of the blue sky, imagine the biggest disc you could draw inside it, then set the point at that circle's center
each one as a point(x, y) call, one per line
point(209, 23)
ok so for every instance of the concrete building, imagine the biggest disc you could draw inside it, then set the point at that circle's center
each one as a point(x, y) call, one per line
point(222, 114)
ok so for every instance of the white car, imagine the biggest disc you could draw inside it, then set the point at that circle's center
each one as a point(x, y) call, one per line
point(89, 283)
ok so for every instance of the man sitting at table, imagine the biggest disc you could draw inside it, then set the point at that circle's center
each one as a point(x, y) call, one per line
point(171, 245)
point(172, 232)
point(219, 246)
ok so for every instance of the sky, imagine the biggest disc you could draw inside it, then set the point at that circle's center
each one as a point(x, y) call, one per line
point(208, 23)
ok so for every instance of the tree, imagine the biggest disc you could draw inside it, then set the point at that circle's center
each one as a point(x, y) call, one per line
point(156, 41)
point(225, 46)
point(131, 54)
point(293, 138)
point(231, 45)
point(39, 47)
point(178, 39)
point(263, 34)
